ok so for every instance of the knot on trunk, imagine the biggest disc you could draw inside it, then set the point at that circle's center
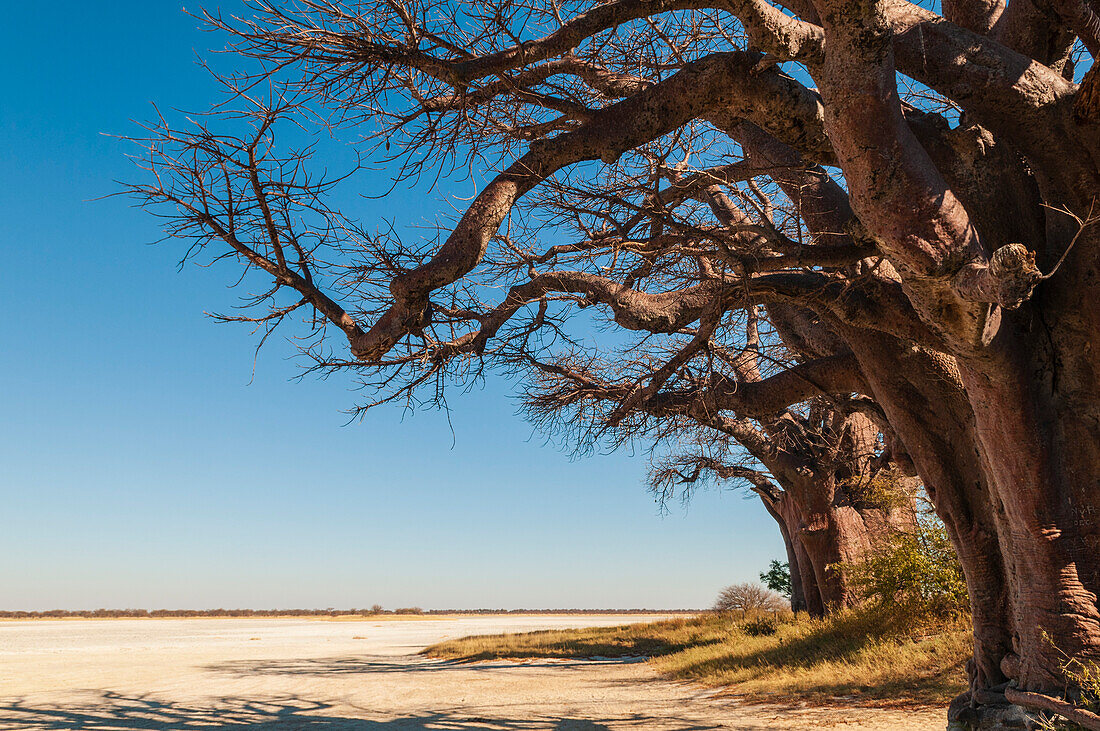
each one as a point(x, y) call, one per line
point(1015, 274)
point(1006, 279)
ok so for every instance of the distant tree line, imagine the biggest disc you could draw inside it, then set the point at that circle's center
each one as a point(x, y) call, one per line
point(330, 612)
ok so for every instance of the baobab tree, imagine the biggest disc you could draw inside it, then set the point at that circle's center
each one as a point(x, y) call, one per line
point(914, 201)
point(830, 517)
point(820, 471)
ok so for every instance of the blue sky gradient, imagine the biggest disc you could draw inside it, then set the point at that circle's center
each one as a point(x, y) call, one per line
point(142, 464)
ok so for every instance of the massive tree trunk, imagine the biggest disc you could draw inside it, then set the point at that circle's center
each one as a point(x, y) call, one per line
point(1007, 448)
point(844, 535)
point(804, 594)
point(923, 397)
point(1005, 440)
point(1026, 363)
point(825, 531)
point(1038, 424)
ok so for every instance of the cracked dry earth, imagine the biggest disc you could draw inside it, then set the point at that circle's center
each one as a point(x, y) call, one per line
point(295, 674)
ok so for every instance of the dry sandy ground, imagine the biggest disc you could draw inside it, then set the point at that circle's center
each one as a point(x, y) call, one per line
point(291, 674)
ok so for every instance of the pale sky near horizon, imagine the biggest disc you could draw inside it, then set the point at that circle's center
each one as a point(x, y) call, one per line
point(143, 465)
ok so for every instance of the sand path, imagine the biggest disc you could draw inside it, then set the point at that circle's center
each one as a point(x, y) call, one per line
point(291, 674)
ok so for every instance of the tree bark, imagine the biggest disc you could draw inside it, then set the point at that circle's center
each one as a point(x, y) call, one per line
point(824, 536)
point(1038, 422)
point(796, 558)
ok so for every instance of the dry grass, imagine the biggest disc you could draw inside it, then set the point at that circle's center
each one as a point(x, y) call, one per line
point(875, 655)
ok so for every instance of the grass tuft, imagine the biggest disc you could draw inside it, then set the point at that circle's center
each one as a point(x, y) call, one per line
point(872, 654)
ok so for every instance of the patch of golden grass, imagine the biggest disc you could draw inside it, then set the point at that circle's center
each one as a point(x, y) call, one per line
point(624, 640)
point(871, 654)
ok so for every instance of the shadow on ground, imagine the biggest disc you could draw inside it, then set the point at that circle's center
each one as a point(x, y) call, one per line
point(371, 664)
point(116, 712)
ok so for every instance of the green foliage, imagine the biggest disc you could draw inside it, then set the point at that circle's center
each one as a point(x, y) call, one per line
point(778, 578)
point(916, 568)
point(1086, 676)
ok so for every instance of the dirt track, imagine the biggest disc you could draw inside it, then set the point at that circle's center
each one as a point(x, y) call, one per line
point(284, 674)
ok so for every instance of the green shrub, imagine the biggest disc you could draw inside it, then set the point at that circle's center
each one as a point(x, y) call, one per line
point(887, 490)
point(917, 568)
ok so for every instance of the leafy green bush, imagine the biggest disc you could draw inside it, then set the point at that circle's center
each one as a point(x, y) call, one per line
point(913, 568)
point(887, 490)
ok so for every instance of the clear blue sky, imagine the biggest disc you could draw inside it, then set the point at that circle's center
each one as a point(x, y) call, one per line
point(140, 467)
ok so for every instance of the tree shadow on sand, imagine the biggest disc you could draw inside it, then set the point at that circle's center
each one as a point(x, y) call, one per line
point(116, 712)
point(372, 664)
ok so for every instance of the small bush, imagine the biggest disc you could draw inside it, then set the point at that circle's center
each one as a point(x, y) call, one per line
point(748, 597)
point(760, 626)
point(917, 568)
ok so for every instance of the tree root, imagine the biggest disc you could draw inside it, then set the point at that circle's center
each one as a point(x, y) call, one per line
point(1044, 702)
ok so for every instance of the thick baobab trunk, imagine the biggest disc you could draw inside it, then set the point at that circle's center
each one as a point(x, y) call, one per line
point(1011, 456)
point(1039, 425)
point(1025, 607)
point(822, 537)
point(804, 592)
point(842, 519)
point(841, 535)
point(1031, 375)
point(922, 395)
point(923, 398)
point(1036, 399)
